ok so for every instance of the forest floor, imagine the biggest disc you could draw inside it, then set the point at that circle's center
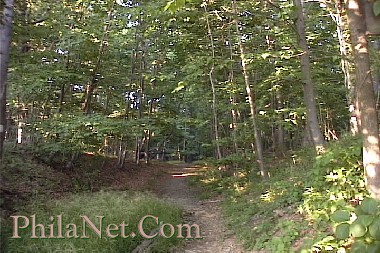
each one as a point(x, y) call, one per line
point(205, 213)
point(27, 179)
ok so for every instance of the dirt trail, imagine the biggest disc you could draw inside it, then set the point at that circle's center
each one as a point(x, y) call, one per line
point(205, 213)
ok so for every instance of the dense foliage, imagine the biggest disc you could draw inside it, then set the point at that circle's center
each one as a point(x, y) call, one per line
point(218, 81)
point(143, 74)
point(322, 207)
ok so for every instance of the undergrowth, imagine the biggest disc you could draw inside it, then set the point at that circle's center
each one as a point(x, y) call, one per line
point(292, 211)
point(45, 187)
point(116, 207)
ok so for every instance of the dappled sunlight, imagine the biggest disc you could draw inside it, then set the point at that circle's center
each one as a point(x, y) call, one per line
point(271, 195)
point(371, 157)
point(209, 180)
point(242, 174)
point(371, 171)
point(372, 140)
point(184, 174)
point(239, 188)
point(251, 103)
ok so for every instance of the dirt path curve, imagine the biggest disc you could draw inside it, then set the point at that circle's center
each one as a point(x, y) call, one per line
point(206, 213)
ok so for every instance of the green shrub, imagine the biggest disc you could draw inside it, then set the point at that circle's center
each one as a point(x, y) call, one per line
point(361, 225)
point(296, 204)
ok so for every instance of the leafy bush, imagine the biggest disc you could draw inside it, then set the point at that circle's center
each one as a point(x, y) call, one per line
point(336, 180)
point(294, 207)
point(360, 226)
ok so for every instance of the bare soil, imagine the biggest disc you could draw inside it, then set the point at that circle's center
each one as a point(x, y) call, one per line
point(206, 213)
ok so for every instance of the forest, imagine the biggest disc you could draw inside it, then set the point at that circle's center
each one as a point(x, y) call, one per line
point(265, 113)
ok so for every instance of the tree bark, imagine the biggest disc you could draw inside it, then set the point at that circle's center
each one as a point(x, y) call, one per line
point(369, 127)
point(346, 63)
point(213, 89)
point(233, 99)
point(258, 144)
point(308, 86)
point(5, 41)
point(376, 73)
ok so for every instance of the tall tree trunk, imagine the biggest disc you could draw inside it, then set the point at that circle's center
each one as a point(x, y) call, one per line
point(308, 86)
point(233, 100)
point(258, 144)
point(369, 127)
point(213, 89)
point(5, 41)
point(93, 82)
point(215, 115)
point(141, 103)
point(345, 62)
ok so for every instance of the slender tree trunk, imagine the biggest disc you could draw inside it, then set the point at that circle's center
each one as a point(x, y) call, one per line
point(61, 97)
point(213, 89)
point(137, 150)
point(369, 127)
point(141, 95)
point(62, 92)
point(5, 41)
point(280, 129)
point(93, 82)
point(148, 134)
point(122, 153)
point(215, 115)
point(258, 144)
point(234, 125)
point(308, 86)
point(233, 102)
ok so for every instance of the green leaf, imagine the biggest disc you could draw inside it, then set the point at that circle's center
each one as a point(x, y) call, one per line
point(357, 229)
point(174, 5)
point(373, 248)
point(181, 3)
point(340, 216)
point(369, 206)
point(359, 247)
point(359, 211)
point(365, 220)
point(376, 8)
point(180, 86)
point(342, 231)
point(169, 5)
point(374, 229)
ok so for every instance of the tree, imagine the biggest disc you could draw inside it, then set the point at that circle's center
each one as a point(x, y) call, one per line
point(308, 86)
point(149, 71)
point(212, 82)
point(258, 143)
point(369, 126)
point(5, 41)
point(96, 69)
point(338, 16)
